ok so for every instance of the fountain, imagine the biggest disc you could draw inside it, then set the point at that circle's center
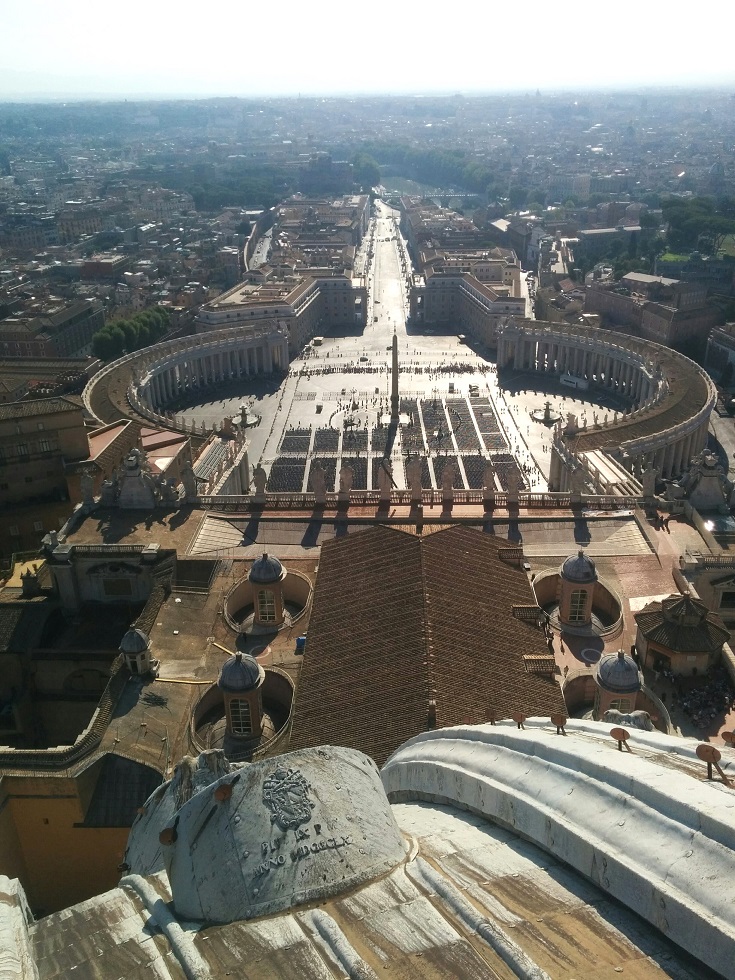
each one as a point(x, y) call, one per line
point(548, 416)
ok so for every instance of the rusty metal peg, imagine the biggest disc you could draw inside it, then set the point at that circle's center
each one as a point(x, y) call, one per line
point(709, 754)
point(223, 792)
point(621, 736)
point(560, 721)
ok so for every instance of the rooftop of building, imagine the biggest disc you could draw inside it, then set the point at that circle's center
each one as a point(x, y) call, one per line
point(552, 873)
point(40, 407)
point(412, 632)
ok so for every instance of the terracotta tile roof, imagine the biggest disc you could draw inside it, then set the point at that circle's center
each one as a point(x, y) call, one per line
point(682, 624)
point(40, 406)
point(399, 621)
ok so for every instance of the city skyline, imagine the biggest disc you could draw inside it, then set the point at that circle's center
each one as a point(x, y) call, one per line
point(147, 53)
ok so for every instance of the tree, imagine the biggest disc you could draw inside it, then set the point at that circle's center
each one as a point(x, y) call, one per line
point(366, 170)
point(694, 222)
point(103, 346)
point(130, 329)
point(518, 195)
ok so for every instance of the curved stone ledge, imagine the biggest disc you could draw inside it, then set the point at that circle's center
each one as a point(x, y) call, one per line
point(659, 840)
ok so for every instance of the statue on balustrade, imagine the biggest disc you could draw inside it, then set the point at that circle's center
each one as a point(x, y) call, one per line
point(346, 476)
point(448, 474)
point(385, 479)
point(413, 477)
point(317, 478)
point(488, 476)
point(260, 478)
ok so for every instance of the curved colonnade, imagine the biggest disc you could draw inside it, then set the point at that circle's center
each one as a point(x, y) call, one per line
point(671, 395)
point(174, 369)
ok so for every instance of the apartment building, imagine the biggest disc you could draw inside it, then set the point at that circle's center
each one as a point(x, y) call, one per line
point(53, 329)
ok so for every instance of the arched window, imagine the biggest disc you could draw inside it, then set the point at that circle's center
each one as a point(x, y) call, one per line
point(240, 717)
point(621, 704)
point(577, 606)
point(266, 606)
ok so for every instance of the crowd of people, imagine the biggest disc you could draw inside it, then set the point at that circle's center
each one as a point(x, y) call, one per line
point(702, 703)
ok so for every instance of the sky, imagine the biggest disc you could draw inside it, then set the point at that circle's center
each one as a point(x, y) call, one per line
point(87, 48)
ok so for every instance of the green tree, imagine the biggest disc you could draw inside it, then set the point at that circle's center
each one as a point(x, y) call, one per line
point(145, 336)
point(130, 329)
point(366, 170)
point(518, 195)
point(649, 220)
point(693, 222)
point(103, 346)
point(117, 340)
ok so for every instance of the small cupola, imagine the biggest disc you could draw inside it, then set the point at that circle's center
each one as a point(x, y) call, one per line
point(266, 577)
point(618, 682)
point(135, 646)
point(577, 581)
point(240, 680)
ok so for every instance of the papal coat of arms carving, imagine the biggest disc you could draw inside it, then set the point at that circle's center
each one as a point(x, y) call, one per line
point(286, 794)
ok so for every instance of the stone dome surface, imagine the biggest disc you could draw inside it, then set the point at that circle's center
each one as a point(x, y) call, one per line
point(618, 673)
point(266, 570)
point(240, 673)
point(325, 816)
point(579, 568)
point(135, 641)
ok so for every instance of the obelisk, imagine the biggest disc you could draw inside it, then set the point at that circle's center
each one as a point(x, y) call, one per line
point(394, 404)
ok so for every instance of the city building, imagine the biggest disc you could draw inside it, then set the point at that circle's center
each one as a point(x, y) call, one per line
point(667, 311)
point(305, 305)
point(55, 330)
point(37, 439)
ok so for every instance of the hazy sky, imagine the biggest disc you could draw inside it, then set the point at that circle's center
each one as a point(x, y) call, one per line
point(156, 47)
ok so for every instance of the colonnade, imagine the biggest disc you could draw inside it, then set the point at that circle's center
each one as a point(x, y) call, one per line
point(609, 366)
point(669, 455)
point(668, 422)
point(171, 377)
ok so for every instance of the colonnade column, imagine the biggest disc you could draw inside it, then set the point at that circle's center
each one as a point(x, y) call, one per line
point(688, 450)
point(679, 456)
point(701, 439)
point(668, 461)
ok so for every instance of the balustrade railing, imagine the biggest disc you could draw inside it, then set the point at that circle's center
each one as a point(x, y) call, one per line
point(357, 498)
